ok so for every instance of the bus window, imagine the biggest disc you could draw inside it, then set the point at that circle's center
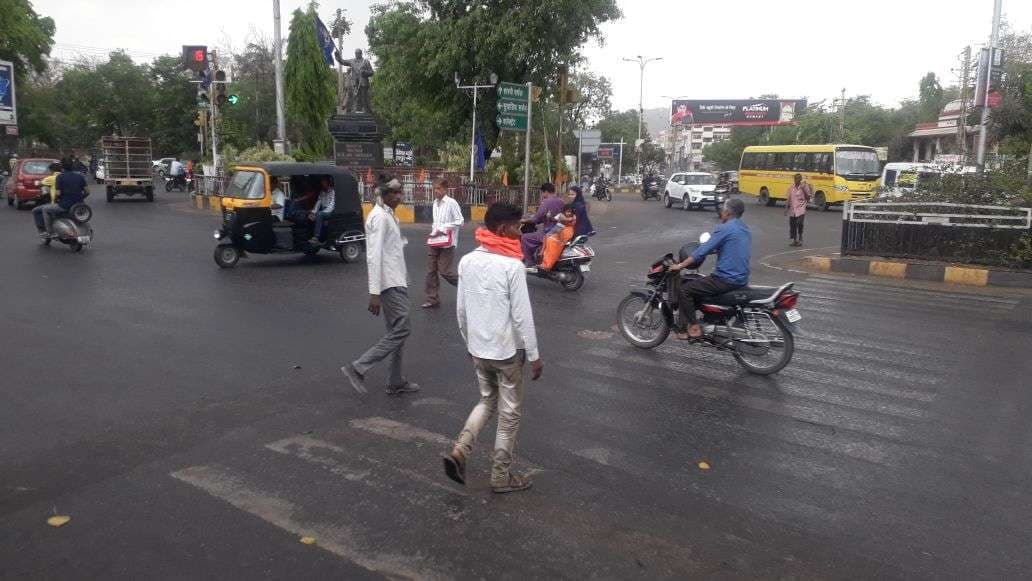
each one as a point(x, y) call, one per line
point(802, 162)
point(783, 161)
point(823, 163)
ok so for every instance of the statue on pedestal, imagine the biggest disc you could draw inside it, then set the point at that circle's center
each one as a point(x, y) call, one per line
point(355, 97)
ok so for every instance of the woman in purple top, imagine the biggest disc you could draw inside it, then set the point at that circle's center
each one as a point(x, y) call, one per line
point(549, 207)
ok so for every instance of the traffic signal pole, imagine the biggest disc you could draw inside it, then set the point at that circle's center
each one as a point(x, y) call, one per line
point(212, 67)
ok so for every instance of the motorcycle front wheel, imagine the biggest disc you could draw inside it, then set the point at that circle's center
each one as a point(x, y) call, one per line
point(765, 347)
point(641, 324)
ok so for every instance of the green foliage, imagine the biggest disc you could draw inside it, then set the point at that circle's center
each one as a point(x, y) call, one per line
point(931, 97)
point(724, 155)
point(258, 153)
point(254, 81)
point(617, 125)
point(310, 88)
point(420, 44)
point(173, 106)
point(25, 37)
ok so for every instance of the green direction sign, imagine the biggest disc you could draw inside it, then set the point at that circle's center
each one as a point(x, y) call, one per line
point(512, 92)
point(512, 108)
point(511, 122)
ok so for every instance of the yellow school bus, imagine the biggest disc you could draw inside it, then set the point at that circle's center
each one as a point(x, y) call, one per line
point(835, 172)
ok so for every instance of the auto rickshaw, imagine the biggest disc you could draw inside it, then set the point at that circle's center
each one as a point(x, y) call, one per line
point(251, 223)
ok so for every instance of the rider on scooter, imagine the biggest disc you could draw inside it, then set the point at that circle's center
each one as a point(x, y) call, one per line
point(71, 187)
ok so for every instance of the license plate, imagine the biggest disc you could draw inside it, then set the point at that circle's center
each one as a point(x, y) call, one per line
point(793, 316)
point(585, 268)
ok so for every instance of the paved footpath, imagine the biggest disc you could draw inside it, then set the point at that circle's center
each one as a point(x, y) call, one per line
point(193, 424)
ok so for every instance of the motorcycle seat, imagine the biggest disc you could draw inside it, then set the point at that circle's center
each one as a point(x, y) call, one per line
point(756, 295)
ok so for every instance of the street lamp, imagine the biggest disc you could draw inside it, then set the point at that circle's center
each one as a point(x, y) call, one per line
point(642, 61)
point(473, 134)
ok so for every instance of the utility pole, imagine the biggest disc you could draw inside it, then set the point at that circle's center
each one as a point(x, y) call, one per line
point(213, 65)
point(965, 70)
point(641, 100)
point(526, 154)
point(841, 118)
point(277, 44)
point(473, 134)
point(563, 70)
point(994, 39)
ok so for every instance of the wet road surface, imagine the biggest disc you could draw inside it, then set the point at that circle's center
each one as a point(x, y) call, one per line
point(192, 422)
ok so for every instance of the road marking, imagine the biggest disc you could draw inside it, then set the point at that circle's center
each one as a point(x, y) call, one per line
point(327, 455)
point(886, 288)
point(400, 431)
point(234, 488)
point(765, 261)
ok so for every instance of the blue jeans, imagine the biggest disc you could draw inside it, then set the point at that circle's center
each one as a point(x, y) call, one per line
point(320, 218)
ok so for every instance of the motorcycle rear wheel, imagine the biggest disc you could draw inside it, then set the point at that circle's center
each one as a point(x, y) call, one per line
point(779, 348)
point(641, 324)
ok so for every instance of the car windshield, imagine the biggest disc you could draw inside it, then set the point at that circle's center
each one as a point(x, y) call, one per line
point(700, 180)
point(249, 185)
point(36, 167)
point(857, 162)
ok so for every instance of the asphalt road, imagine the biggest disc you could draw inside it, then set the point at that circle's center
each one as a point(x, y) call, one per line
point(192, 422)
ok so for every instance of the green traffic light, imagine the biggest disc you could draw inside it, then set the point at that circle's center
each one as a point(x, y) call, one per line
point(233, 99)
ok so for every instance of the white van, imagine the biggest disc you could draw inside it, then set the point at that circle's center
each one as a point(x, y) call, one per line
point(900, 178)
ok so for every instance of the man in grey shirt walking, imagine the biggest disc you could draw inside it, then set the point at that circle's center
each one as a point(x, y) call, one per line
point(388, 291)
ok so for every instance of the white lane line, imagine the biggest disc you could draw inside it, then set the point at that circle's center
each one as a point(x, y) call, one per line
point(864, 301)
point(765, 261)
point(403, 432)
point(234, 488)
point(313, 450)
point(400, 431)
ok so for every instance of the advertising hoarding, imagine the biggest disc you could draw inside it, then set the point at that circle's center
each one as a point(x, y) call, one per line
point(735, 111)
point(8, 107)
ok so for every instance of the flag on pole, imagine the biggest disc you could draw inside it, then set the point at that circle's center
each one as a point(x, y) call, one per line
point(322, 35)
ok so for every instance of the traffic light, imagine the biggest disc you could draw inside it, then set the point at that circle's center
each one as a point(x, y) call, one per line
point(220, 87)
point(195, 57)
point(232, 99)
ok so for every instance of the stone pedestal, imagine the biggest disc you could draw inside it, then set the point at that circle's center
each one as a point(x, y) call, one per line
point(357, 140)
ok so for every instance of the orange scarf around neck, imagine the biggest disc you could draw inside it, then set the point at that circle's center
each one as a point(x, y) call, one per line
point(499, 244)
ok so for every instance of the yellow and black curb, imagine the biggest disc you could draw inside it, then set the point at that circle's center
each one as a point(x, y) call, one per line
point(928, 272)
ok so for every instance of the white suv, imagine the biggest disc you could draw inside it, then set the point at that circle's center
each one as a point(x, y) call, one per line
point(691, 190)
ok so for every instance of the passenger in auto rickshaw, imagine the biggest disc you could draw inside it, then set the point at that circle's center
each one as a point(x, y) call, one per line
point(279, 199)
point(323, 208)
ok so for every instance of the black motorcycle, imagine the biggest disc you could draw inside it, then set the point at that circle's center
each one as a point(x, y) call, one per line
point(756, 324)
point(601, 190)
point(180, 183)
point(650, 189)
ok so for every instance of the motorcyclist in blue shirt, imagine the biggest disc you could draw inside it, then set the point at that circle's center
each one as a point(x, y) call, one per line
point(732, 241)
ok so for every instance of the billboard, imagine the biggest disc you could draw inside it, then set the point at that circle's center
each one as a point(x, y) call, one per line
point(735, 111)
point(8, 110)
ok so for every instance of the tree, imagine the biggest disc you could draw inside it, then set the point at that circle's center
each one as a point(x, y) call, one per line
point(725, 155)
point(931, 97)
point(25, 37)
point(254, 82)
point(621, 125)
point(310, 87)
point(174, 106)
point(419, 45)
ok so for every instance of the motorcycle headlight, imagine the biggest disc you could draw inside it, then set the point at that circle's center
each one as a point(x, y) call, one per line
point(218, 234)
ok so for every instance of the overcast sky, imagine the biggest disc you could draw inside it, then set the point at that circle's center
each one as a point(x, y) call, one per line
point(723, 49)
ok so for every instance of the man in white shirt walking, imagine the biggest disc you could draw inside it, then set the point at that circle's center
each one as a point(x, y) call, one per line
point(447, 221)
point(496, 322)
point(385, 257)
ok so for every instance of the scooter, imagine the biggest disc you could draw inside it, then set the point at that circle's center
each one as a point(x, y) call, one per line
point(570, 268)
point(72, 227)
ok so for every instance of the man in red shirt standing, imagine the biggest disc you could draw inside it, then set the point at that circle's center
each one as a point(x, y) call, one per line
point(795, 208)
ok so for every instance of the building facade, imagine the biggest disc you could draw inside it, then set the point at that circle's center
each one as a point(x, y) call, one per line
point(941, 139)
point(684, 145)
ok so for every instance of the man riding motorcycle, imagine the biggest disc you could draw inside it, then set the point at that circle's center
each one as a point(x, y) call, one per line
point(732, 241)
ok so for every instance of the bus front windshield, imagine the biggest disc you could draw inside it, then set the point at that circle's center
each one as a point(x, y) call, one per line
point(857, 163)
point(248, 185)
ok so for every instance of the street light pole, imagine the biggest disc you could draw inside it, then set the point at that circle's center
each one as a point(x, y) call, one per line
point(997, 7)
point(473, 133)
point(642, 61)
point(277, 41)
